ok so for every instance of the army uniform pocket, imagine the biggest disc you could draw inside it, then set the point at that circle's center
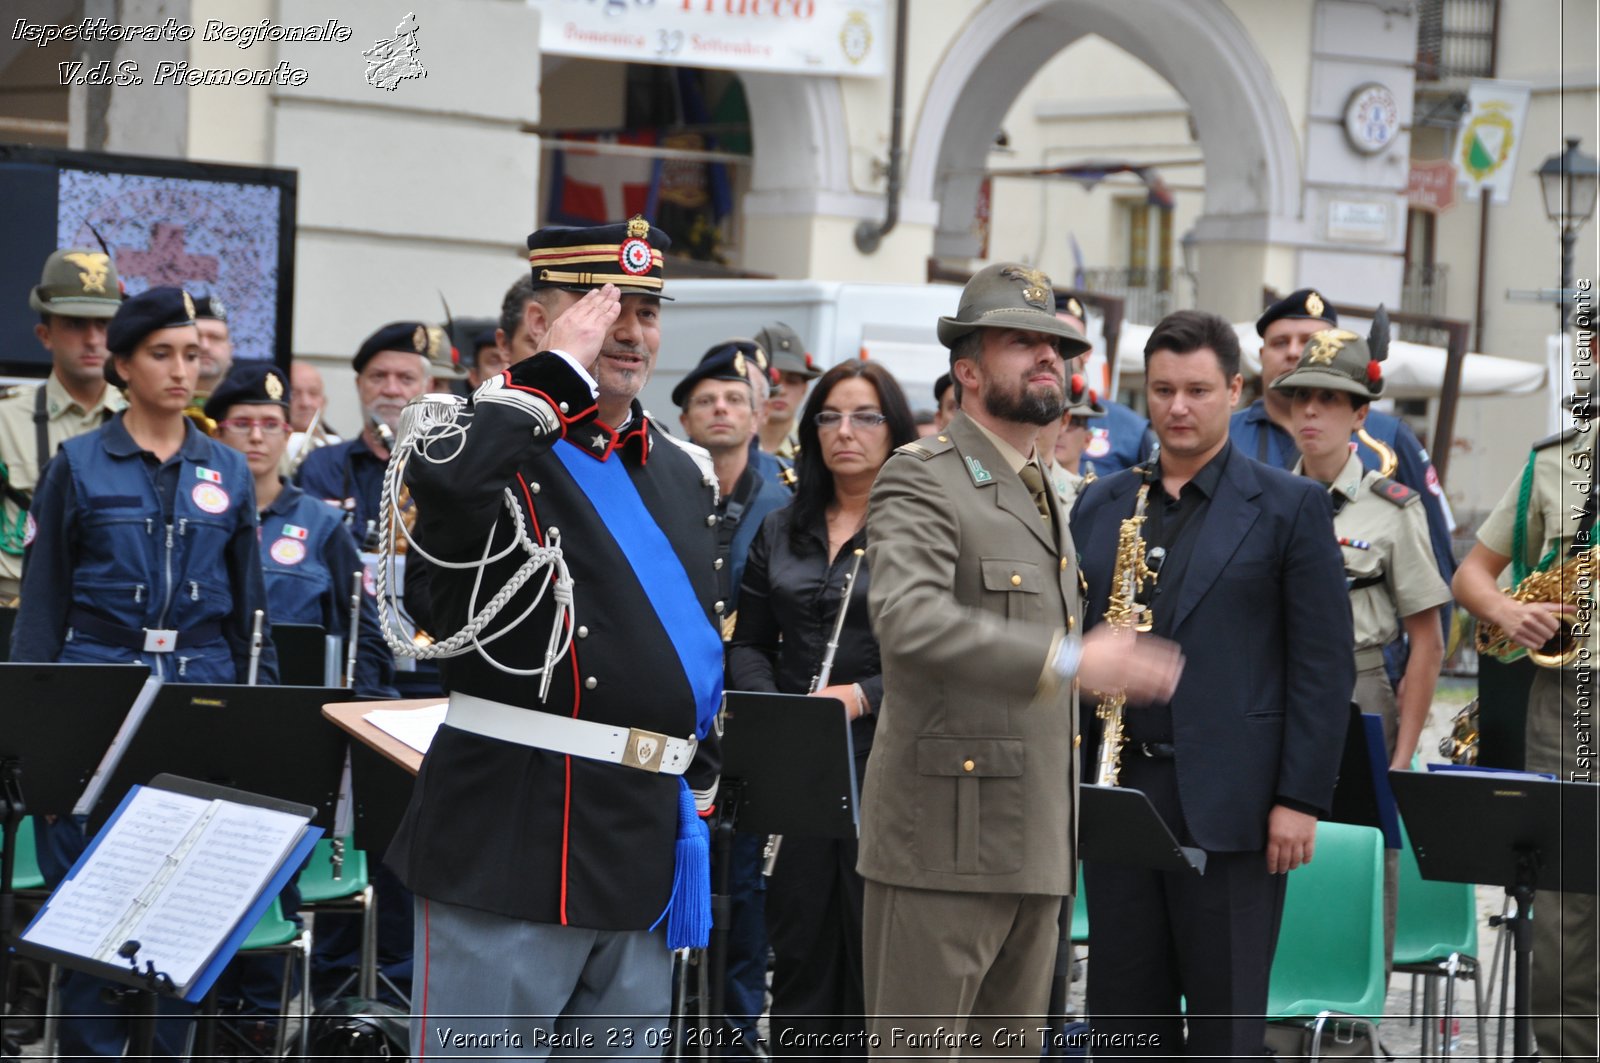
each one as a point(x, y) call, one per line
point(969, 818)
point(1021, 583)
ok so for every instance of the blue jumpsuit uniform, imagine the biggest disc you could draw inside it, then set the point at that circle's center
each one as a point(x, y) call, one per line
point(344, 474)
point(308, 562)
point(134, 559)
point(1119, 440)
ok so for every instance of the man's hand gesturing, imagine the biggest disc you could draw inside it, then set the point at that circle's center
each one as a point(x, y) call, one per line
point(582, 327)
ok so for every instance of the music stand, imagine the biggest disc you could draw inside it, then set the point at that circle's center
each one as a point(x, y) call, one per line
point(1362, 795)
point(8, 622)
point(788, 767)
point(264, 740)
point(382, 791)
point(59, 721)
point(304, 652)
point(1117, 825)
point(1527, 834)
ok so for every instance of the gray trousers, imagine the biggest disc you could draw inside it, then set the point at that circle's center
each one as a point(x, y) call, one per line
point(957, 974)
point(489, 985)
point(1566, 934)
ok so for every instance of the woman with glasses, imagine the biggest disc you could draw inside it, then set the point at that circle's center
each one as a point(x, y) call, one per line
point(307, 559)
point(790, 598)
point(141, 547)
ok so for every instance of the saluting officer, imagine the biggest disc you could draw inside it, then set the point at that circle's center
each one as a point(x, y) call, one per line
point(307, 560)
point(1384, 538)
point(141, 547)
point(75, 297)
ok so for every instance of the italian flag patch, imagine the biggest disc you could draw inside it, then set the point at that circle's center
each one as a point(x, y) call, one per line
point(208, 475)
point(294, 531)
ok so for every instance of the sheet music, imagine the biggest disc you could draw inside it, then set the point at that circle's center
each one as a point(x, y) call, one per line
point(91, 904)
point(175, 873)
point(414, 727)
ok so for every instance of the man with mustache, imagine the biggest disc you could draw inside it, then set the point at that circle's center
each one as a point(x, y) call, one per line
point(969, 807)
point(391, 369)
point(554, 824)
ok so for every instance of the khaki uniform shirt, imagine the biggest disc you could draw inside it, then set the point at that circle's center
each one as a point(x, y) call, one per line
point(1380, 538)
point(1067, 485)
point(19, 447)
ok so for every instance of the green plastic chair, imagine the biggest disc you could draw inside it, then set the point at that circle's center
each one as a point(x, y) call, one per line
point(1329, 963)
point(25, 873)
point(1080, 914)
point(350, 891)
point(275, 934)
point(1436, 937)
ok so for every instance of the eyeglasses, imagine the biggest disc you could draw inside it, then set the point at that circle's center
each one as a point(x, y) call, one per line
point(243, 426)
point(858, 419)
point(733, 400)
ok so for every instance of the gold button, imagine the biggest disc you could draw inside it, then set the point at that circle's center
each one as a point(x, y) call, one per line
point(1070, 625)
point(967, 765)
point(590, 683)
point(1016, 580)
point(1063, 564)
point(944, 439)
point(1077, 740)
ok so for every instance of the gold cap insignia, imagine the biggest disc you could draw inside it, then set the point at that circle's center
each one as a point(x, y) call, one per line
point(761, 358)
point(419, 340)
point(638, 228)
point(1075, 308)
point(1325, 345)
point(1314, 305)
point(188, 306)
point(1036, 282)
point(274, 387)
point(93, 266)
point(738, 362)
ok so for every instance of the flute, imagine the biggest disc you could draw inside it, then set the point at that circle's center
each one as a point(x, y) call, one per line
point(255, 647)
point(355, 628)
point(818, 681)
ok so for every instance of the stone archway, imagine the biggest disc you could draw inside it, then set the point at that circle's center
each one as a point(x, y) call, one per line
point(1253, 187)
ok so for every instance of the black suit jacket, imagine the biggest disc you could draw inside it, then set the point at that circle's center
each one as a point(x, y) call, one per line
point(1264, 621)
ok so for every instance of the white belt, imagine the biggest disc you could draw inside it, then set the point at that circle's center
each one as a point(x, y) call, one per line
point(628, 746)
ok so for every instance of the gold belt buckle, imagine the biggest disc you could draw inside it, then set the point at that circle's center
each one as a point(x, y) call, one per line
point(644, 750)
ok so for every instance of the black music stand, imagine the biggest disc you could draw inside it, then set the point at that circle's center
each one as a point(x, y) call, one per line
point(382, 790)
point(8, 622)
point(265, 740)
point(1528, 833)
point(58, 723)
point(1362, 795)
point(303, 655)
point(788, 767)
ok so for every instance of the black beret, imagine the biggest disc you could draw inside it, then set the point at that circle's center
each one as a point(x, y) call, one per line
point(487, 337)
point(138, 316)
point(941, 386)
point(728, 360)
point(249, 384)
point(211, 306)
point(1305, 304)
point(410, 337)
point(581, 259)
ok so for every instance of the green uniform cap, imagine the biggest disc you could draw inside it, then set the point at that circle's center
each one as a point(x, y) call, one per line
point(1009, 295)
point(77, 282)
point(1338, 360)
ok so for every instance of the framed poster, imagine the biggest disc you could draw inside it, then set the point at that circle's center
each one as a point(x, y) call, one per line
point(217, 230)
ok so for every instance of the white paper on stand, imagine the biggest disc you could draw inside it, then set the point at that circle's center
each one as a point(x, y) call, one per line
point(414, 727)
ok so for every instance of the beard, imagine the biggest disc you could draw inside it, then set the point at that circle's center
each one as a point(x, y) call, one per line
point(1027, 406)
point(386, 410)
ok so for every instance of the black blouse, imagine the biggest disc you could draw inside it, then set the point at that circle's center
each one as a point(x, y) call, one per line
point(788, 604)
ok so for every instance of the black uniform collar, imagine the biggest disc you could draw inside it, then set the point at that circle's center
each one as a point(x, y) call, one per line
point(118, 443)
point(599, 440)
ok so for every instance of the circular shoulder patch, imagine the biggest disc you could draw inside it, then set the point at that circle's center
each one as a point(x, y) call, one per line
point(1099, 444)
point(209, 497)
point(30, 531)
point(1432, 480)
point(634, 257)
point(288, 551)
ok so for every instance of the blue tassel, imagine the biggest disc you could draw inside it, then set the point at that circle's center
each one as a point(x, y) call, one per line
point(688, 913)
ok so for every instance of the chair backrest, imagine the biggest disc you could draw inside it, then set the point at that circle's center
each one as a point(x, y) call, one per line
point(316, 881)
point(25, 873)
point(1433, 919)
point(1080, 912)
point(1330, 947)
point(272, 929)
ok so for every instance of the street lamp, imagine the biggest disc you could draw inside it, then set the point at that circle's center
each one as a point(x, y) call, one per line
point(1568, 182)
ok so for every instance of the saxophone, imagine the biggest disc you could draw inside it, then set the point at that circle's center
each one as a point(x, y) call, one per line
point(1572, 583)
point(1124, 613)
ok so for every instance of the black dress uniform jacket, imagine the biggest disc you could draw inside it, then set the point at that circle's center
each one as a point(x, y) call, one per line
point(523, 832)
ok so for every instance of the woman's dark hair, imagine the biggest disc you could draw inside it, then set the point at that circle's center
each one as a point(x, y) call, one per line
point(814, 483)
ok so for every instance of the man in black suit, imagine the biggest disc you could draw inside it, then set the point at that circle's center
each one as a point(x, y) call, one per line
point(1241, 762)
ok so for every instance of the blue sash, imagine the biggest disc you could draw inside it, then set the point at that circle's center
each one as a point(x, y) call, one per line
point(659, 571)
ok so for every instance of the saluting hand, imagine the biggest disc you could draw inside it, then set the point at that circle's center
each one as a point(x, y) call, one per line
point(582, 327)
point(1143, 667)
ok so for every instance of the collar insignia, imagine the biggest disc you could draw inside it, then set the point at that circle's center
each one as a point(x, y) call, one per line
point(979, 473)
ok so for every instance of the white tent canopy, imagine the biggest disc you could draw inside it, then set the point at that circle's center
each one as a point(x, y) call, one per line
point(1413, 370)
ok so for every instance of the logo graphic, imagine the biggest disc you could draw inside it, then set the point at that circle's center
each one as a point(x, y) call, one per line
point(980, 475)
point(645, 749)
point(392, 61)
point(1036, 288)
point(855, 38)
point(1324, 345)
point(274, 386)
point(288, 551)
point(1314, 305)
point(94, 265)
point(210, 497)
point(1486, 142)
